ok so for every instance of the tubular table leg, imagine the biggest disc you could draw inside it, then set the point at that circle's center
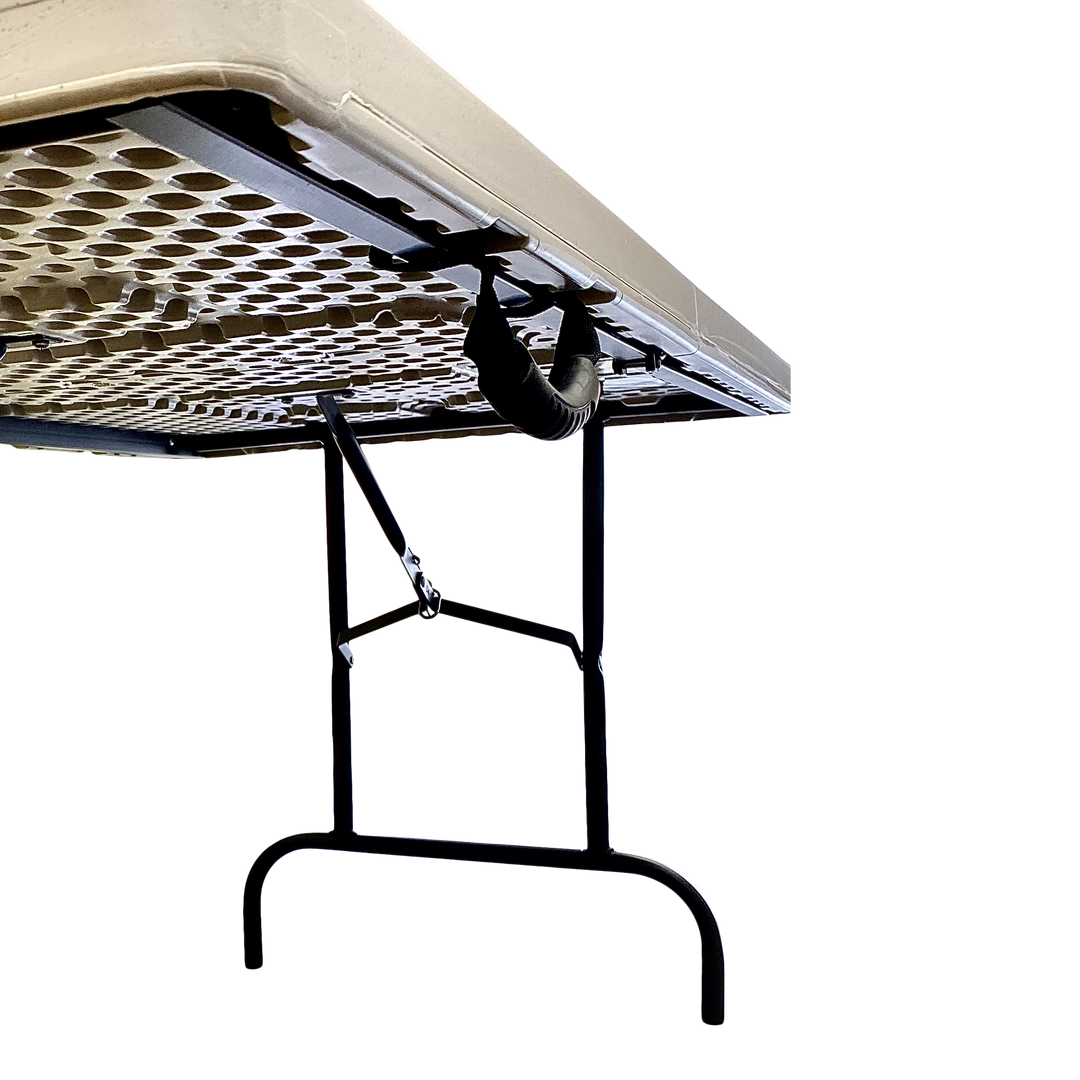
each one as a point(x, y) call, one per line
point(598, 856)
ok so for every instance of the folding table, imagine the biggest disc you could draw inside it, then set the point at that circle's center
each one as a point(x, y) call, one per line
point(237, 228)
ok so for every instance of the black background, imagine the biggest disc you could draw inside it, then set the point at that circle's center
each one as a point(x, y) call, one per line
point(166, 651)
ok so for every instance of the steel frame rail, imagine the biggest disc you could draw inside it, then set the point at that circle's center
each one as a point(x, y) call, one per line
point(441, 423)
point(598, 854)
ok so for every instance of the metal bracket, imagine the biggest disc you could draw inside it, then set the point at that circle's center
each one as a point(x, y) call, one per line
point(477, 249)
point(648, 364)
point(430, 597)
point(665, 369)
point(478, 257)
point(459, 249)
point(39, 341)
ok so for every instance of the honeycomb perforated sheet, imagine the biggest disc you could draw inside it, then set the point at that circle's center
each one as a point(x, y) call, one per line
point(152, 282)
point(184, 300)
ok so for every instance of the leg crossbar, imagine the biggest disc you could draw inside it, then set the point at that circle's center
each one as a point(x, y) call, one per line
point(598, 855)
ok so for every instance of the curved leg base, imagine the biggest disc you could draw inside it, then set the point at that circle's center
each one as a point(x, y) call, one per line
point(712, 953)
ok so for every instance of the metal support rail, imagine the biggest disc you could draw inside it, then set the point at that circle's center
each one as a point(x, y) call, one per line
point(27, 431)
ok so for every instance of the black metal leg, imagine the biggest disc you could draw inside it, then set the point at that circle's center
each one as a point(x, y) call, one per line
point(598, 855)
point(340, 704)
point(592, 611)
point(337, 580)
point(595, 713)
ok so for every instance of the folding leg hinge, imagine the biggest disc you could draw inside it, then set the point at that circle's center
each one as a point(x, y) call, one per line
point(430, 599)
